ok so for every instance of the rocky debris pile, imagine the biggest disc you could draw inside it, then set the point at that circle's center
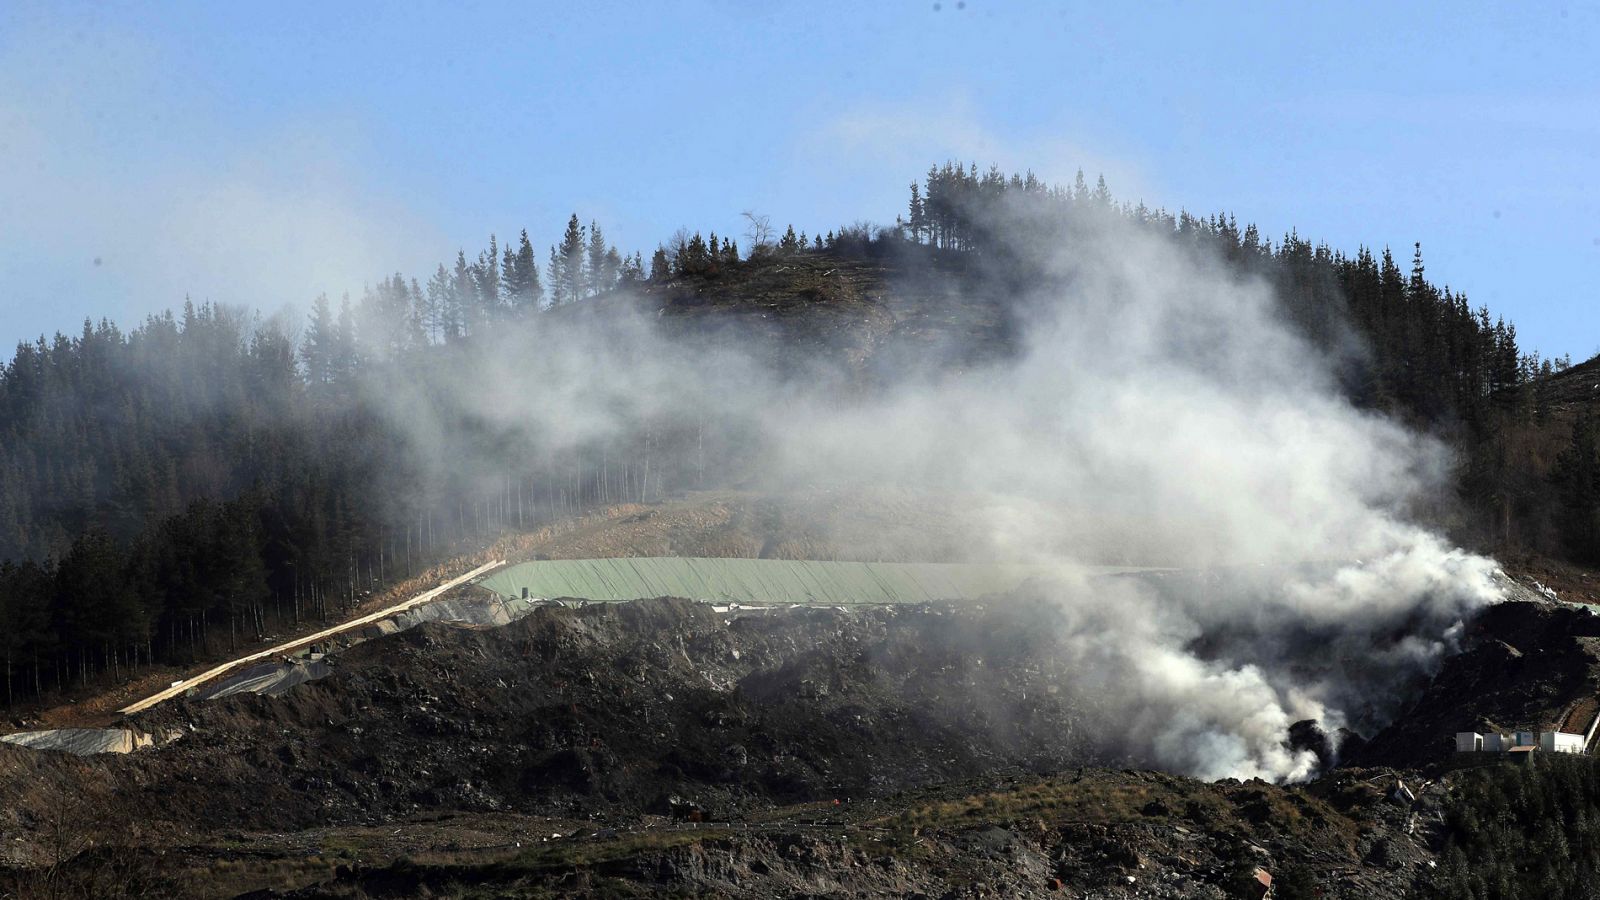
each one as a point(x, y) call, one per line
point(1523, 666)
point(612, 709)
point(935, 749)
point(1093, 833)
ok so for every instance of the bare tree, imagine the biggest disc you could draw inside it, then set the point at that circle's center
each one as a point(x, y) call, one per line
point(83, 850)
point(758, 231)
point(677, 244)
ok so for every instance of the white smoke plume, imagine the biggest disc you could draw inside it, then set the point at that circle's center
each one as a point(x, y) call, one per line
point(1159, 412)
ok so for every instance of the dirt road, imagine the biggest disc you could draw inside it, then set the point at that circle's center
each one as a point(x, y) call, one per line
point(209, 674)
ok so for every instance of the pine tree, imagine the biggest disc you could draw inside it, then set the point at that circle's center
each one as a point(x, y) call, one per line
point(347, 356)
point(95, 605)
point(462, 291)
point(599, 278)
point(508, 278)
point(436, 315)
point(387, 317)
point(694, 258)
point(486, 286)
point(660, 265)
point(519, 279)
point(1102, 194)
point(1576, 475)
point(611, 267)
point(916, 219)
point(570, 277)
point(417, 317)
point(631, 272)
point(318, 350)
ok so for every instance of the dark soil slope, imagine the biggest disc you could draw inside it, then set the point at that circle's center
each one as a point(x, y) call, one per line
point(617, 710)
point(663, 746)
point(1524, 666)
point(866, 320)
point(1085, 834)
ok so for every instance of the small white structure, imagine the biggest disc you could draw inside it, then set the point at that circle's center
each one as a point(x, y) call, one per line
point(1560, 742)
point(1521, 741)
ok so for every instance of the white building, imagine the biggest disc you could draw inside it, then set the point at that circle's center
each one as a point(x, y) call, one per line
point(1560, 742)
point(1473, 742)
point(1548, 741)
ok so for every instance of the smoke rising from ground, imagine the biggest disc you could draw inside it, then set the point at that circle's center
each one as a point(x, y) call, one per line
point(1157, 412)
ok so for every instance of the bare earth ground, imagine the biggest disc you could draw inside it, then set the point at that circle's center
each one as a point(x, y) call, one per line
point(818, 524)
point(661, 746)
point(620, 752)
point(883, 524)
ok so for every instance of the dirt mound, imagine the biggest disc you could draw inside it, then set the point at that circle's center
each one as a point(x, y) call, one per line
point(1089, 833)
point(1523, 666)
point(613, 710)
point(629, 749)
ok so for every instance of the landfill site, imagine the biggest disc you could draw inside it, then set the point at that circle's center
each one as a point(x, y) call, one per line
point(733, 727)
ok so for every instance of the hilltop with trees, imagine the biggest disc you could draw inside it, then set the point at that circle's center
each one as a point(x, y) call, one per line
point(210, 475)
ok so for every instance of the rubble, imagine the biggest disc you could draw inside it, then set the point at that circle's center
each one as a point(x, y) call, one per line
point(738, 752)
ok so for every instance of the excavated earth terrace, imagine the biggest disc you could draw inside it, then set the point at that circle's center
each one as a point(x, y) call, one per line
point(486, 745)
point(741, 752)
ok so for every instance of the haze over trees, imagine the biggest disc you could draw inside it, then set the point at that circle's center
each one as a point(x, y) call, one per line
point(210, 475)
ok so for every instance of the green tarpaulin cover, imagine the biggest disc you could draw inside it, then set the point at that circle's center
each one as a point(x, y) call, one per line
point(807, 582)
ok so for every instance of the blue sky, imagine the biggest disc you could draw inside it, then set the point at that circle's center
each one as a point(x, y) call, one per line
point(259, 153)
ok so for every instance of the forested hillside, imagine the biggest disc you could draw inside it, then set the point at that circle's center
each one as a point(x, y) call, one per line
point(1402, 345)
point(172, 489)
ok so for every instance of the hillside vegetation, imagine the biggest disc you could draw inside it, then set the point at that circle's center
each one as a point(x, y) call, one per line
point(210, 476)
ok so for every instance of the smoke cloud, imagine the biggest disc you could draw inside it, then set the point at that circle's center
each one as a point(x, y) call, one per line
point(1154, 410)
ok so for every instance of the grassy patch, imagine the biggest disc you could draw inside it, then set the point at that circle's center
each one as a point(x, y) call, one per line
point(600, 851)
point(1062, 800)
